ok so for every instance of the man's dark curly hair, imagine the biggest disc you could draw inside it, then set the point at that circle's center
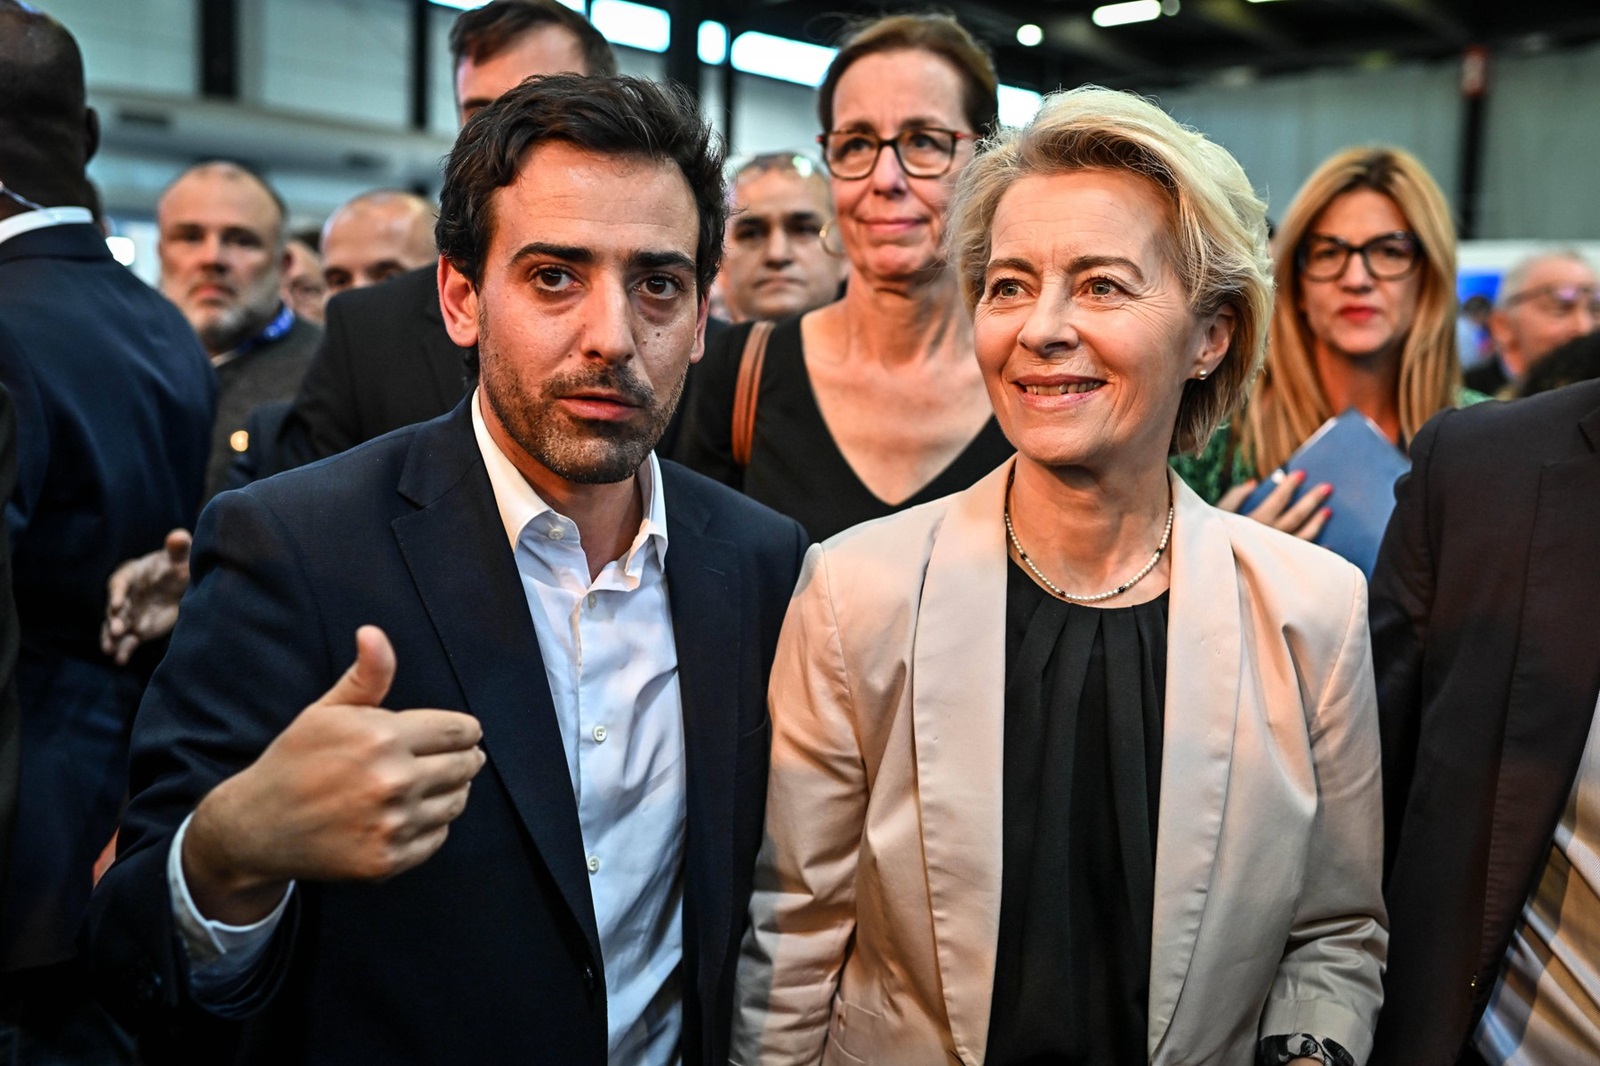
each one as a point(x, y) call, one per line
point(621, 116)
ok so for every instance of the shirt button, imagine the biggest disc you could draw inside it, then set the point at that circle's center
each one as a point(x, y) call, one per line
point(599, 734)
point(594, 864)
point(591, 600)
point(557, 533)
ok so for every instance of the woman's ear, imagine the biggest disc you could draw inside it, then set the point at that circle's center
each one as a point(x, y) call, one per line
point(1215, 339)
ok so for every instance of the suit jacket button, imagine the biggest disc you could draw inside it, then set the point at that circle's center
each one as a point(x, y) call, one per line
point(588, 978)
point(1472, 986)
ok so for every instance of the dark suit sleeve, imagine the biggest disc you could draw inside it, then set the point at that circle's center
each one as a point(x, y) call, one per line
point(10, 639)
point(246, 657)
point(705, 442)
point(326, 417)
point(1402, 593)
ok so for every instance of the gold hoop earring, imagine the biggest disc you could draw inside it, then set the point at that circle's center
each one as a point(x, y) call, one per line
point(828, 228)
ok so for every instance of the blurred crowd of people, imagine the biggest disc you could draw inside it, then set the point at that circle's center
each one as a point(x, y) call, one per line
point(1006, 698)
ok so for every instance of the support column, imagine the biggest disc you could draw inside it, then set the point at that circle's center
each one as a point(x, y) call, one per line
point(1474, 109)
point(219, 49)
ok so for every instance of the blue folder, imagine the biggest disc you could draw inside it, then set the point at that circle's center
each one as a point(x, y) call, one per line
point(1352, 455)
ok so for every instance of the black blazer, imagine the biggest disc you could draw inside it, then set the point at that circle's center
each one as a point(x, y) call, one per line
point(1485, 604)
point(385, 362)
point(487, 952)
point(114, 402)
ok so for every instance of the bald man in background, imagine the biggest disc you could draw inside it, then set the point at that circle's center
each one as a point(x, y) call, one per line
point(377, 236)
point(1544, 301)
point(303, 288)
point(221, 246)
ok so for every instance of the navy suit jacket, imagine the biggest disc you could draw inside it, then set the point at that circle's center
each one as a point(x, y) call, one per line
point(488, 951)
point(1483, 637)
point(114, 399)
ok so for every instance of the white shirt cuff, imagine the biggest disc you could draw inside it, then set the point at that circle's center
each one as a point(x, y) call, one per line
point(221, 956)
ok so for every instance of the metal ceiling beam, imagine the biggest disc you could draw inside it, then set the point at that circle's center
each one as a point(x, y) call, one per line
point(1432, 16)
point(1076, 35)
point(1242, 20)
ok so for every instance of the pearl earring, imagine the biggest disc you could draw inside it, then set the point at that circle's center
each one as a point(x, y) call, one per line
point(1201, 373)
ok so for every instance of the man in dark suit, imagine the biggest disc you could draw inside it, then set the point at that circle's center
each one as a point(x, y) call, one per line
point(114, 401)
point(387, 360)
point(1488, 672)
point(602, 621)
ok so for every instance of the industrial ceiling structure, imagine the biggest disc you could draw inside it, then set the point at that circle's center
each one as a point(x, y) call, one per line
point(1179, 42)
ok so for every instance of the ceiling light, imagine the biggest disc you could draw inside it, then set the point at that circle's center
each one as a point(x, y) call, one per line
point(713, 43)
point(1123, 14)
point(122, 249)
point(1029, 35)
point(780, 57)
point(1018, 106)
point(631, 25)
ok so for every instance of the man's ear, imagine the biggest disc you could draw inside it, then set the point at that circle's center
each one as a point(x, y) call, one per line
point(91, 129)
point(1500, 329)
point(700, 329)
point(458, 303)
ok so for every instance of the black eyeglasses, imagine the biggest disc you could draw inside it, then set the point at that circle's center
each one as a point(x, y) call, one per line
point(923, 151)
point(1388, 257)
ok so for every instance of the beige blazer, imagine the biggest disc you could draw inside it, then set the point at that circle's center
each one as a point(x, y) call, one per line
point(877, 894)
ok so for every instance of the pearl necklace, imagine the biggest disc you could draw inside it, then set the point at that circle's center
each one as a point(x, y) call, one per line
point(1061, 594)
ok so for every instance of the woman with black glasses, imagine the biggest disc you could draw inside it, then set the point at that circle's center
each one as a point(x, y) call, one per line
point(873, 403)
point(1365, 319)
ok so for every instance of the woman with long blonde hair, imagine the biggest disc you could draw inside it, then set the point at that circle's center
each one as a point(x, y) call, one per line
point(1364, 319)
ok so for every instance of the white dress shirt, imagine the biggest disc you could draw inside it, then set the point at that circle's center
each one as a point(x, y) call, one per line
point(17, 225)
point(612, 665)
point(1545, 1010)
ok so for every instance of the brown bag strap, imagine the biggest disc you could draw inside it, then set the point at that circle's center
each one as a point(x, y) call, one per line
point(745, 391)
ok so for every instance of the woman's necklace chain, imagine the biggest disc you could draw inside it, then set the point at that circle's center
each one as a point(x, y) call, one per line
point(1062, 594)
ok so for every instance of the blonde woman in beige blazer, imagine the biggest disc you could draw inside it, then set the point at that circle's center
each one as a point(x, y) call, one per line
point(1116, 264)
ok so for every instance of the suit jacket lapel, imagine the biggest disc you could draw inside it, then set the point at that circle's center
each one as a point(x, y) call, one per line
point(958, 719)
point(455, 548)
point(704, 593)
point(1204, 664)
point(1554, 682)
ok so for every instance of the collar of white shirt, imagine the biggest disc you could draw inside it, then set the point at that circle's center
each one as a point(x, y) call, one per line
point(50, 216)
point(519, 504)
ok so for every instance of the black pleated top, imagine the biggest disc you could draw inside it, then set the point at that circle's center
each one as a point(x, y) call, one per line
point(1083, 704)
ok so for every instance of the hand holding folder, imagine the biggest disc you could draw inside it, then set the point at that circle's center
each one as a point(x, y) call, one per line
point(1352, 455)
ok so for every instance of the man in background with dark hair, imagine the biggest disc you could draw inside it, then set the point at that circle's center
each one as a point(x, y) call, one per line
point(114, 403)
point(596, 625)
point(387, 361)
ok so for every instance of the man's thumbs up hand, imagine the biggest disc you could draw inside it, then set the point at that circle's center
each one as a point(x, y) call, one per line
point(347, 791)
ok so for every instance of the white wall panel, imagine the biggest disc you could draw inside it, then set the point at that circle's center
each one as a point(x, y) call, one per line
point(346, 59)
point(1542, 150)
point(133, 44)
point(1281, 128)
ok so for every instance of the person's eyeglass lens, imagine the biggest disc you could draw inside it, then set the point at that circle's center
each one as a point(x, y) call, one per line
point(1389, 257)
point(924, 152)
point(1562, 300)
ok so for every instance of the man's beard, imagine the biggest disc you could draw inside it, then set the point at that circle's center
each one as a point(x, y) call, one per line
point(591, 452)
point(231, 326)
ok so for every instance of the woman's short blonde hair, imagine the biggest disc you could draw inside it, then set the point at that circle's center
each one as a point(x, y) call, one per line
point(1290, 404)
point(1218, 237)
